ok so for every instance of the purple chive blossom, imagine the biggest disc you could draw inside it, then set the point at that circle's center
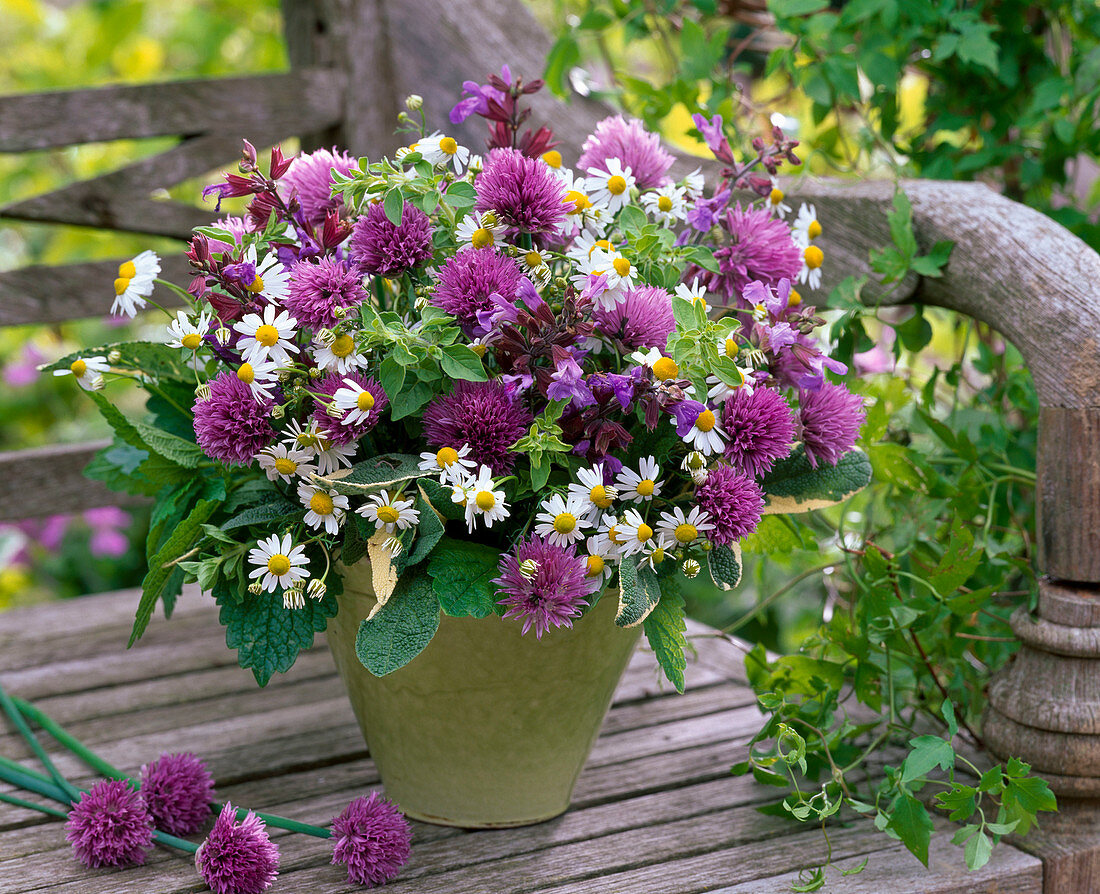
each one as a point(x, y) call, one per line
point(230, 425)
point(477, 102)
point(310, 178)
point(567, 382)
point(109, 826)
point(481, 414)
point(732, 500)
point(759, 247)
point(177, 789)
point(631, 144)
point(469, 279)
point(830, 417)
point(524, 192)
point(641, 319)
point(372, 839)
point(553, 596)
point(317, 290)
point(237, 857)
point(332, 427)
point(760, 429)
point(380, 247)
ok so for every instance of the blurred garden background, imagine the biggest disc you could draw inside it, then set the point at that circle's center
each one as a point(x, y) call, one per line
point(998, 90)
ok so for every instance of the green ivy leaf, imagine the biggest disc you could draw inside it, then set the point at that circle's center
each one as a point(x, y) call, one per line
point(462, 574)
point(402, 628)
point(793, 485)
point(664, 628)
point(639, 592)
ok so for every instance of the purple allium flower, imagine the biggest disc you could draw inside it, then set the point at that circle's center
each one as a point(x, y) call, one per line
point(230, 425)
point(481, 414)
point(760, 247)
point(237, 857)
point(640, 319)
point(732, 500)
point(177, 789)
point(316, 290)
point(831, 417)
point(373, 839)
point(760, 428)
point(524, 192)
point(310, 177)
point(630, 143)
point(553, 595)
point(379, 247)
point(109, 826)
point(469, 279)
point(333, 428)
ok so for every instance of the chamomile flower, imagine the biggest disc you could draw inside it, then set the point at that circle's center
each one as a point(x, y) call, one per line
point(611, 530)
point(680, 530)
point(664, 368)
point(616, 269)
point(586, 245)
point(719, 392)
point(695, 464)
point(88, 372)
point(440, 149)
point(694, 183)
point(135, 283)
point(326, 508)
point(261, 375)
point(279, 563)
point(452, 465)
point(635, 533)
point(593, 494)
point(282, 463)
point(696, 293)
point(667, 204)
point(354, 402)
point(270, 336)
point(655, 551)
point(389, 511)
point(640, 486)
point(805, 228)
point(812, 259)
point(329, 456)
point(775, 201)
point(699, 429)
point(272, 278)
point(481, 500)
point(536, 267)
point(340, 355)
point(600, 561)
point(187, 333)
point(611, 187)
point(476, 230)
point(560, 520)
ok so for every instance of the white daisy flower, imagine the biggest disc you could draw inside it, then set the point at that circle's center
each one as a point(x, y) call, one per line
point(279, 563)
point(654, 552)
point(326, 507)
point(560, 520)
point(666, 204)
point(775, 201)
point(135, 283)
point(634, 533)
point(282, 463)
point(705, 435)
point(616, 269)
point(664, 368)
point(611, 530)
point(88, 372)
point(440, 149)
point(553, 159)
point(812, 259)
point(640, 486)
point(805, 228)
point(593, 494)
point(536, 267)
point(481, 500)
point(187, 333)
point(586, 245)
point(339, 355)
point(389, 512)
point(599, 564)
point(476, 230)
point(452, 465)
point(611, 187)
point(719, 392)
point(329, 456)
point(354, 403)
point(694, 183)
point(261, 375)
point(272, 278)
point(271, 335)
point(696, 293)
point(678, 529)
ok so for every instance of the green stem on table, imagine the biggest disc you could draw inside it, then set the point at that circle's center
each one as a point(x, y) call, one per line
point(21, 725)
point(30, 805)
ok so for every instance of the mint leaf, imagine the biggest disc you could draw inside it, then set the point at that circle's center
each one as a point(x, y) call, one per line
point(793, 485)
point(402, 628)
point(394, 205)
point(724, 565)
point(664, 628)
point(462, 574)
point(373, 474)
point(460, 362)
point(639, 592)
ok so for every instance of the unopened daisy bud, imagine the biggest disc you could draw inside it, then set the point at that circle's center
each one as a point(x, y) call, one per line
point(691, 568)
point(694, 461)
point(97, 384)
point(707, 546)
point(202, 391)
point(114, 356)
point(393, 546)
point(277, 412)
point(489, 220)
point(414, 102)
point(222, 335)
point(325, 337)
point(421, 303)
point(339, 312)
point(294, 598)
point(402, 117)
point(316, 590)
point(255, 588)
point(528, 568)
point(315, 372)
point(334, 411)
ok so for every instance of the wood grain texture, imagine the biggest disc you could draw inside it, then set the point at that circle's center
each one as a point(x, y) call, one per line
point(1069, 489)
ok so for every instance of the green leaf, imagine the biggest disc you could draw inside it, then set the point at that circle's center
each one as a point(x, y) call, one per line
point(564, 55)
point(373, 474)
point(960, 800)
point(639, 592)
point(391, 375)
point(462, 574)
point(959, 560)
point(790, 8)
point(461, 195)
point(932, 264)
point(276, 509)
point(901, 225)
point(664, 628)
point(118, 466)
point(409, 400)
point(157, 360)
point(357, 531)
point(402, 628)
point(440, 499)
point(460, 362)
point(912, 824)
point(428, 534)
point(185, 453)
point(793, 485)
point(928, 752)
point(978, 850)
point(724, 565)
point(394, 205)
point(1025, 796)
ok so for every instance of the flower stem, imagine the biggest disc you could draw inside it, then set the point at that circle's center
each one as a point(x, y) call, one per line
point(21, 724)
point(30, 805)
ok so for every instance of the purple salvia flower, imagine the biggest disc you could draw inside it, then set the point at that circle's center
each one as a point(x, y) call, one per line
point(309, 177)
point(109, 826)
point(781, 335)
point(237, 857)
point(316, 290)
point(814, 363)
point(642, 318)
point(733, 501)
point(715, 137)
point(481, 414)
point(553, 596)
point(383, 248)
point(231, 425)
point(760, 428)
point(371, 838)
point(477, 100)
point(524, 192)
point(243, 273)
point(830, 417)
point(177, 789)
point(567, 382)
point(468, 281)
point(705, 213)
point(686, 413)
point(634, 146)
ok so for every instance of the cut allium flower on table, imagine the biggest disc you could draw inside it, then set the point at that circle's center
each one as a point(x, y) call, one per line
point(600, 376)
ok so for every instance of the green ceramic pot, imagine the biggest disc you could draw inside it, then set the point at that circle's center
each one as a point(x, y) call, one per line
point(485, 728)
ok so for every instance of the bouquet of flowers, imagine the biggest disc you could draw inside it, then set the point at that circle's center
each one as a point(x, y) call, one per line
point(509, 385)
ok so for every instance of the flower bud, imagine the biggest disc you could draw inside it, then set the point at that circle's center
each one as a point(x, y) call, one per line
point(277, 412)
point(325, 337)
point(317, 590)
point(222, 335)
point(202, 391)
point(528, 568)
point(393, 546)
point(334, 411)
point(97, 384)
point(691, 568)
point(294, 597)
point(414, 102)
point(114, 356)
point(255, 588)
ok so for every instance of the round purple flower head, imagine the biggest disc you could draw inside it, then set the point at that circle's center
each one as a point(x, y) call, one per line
point(759, 248)
point(550, 597)
point(317, 290)
point(237, 858)
point(310, 177)
point(109, 826)
point(333, 428)
point(641, 319)
point(524, 192)
point(760, 428)
point(732, 500)
point(177, 789)
point(230, 425)
point(831, 417)
point(631, 144)
point(468, 279)
point(372, 839)
point(481, 414)
point(380, 247)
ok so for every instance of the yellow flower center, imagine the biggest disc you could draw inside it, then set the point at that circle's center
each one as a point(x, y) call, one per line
point(814, 256)
point(731, 348)
point(446, 456)
point(685, 533)
point(794, 299)
point(595, 566)
point(127, 270)
point(616, 185)
point(246, 373)
point(614, 536)
point(485, 500)
point(645, 532)
point(267, 335)
point(605, 244)
point(622, 266)
point(257, 285)
point(599, 496)
point(578, 200)
point(775, 196)
point(665, 369)
point(365, 401)
point(705, 421)
point(343, 346)
point(191, 341)
point(479, 349)
point(813, 230)
point(387, 514)
point(321, 503)
point(533, 259)
point(664, 203)
point(552, 158)
point(448, 145)
point(285, 466)
point(658, 555)
point(121, 284)
point(565, 523)
point(278, 564)
point(645, 487)
point(482, 238)
point(78, 368)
